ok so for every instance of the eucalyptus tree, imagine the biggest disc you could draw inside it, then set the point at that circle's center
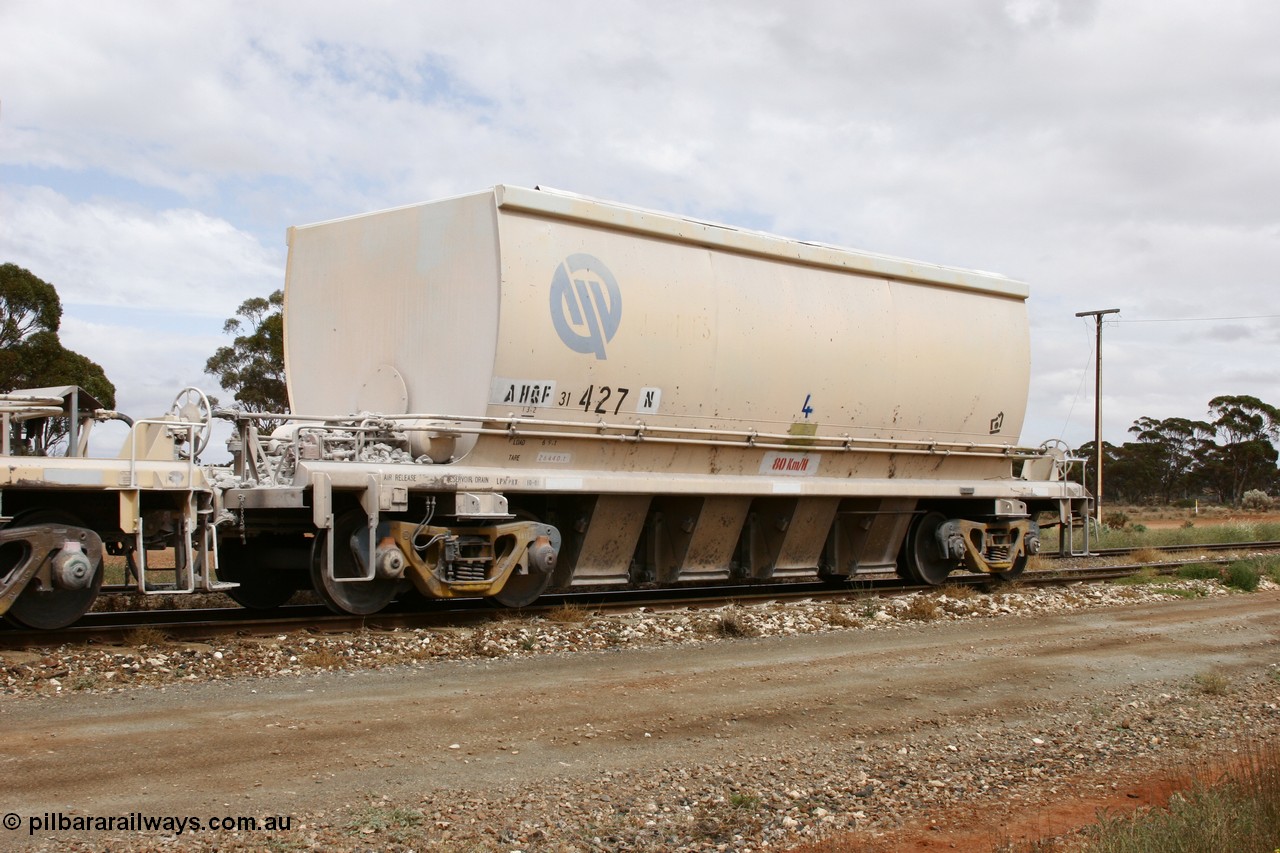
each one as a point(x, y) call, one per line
point(1245, 456)
point(1176, 449)
point(32, 356)
point(252, 365)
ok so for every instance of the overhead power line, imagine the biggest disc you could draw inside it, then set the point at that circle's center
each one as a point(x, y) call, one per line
point(1202, 319)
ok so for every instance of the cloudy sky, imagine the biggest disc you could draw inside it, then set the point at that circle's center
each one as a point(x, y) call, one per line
point(1110, 153)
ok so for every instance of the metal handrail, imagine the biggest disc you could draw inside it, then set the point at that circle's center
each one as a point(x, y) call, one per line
point(517, 426)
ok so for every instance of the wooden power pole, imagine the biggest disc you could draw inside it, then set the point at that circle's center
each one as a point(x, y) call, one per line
point(1097, 407)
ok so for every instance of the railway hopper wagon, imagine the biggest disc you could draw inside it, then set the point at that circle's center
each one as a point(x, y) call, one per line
point(516, 391)
point(591, 395)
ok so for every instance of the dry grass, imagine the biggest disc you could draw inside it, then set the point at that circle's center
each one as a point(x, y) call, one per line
point(146, 637)
point(961, 592)
point(838, 615)
point(960, 600)
point(321, 658)
point(731, 624)
point(923, 608)
point(422, 653)
point(1203, 530)
point(507, 615)
point(1214, 682)
point(485, 646)
point(568, 614)
point(1149, 555)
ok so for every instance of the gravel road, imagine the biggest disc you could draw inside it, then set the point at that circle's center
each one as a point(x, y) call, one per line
point(644, 731)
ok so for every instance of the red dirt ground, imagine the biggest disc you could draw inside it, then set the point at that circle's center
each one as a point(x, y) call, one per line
point(971, 829)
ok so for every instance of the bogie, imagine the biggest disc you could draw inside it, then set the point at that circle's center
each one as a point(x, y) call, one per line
point(66, 564)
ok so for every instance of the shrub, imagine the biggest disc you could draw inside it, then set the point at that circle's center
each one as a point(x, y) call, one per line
point(397, 823)
point(1243, 575)
point(1256, 500)
point(1115, 520)
point(1199, 571)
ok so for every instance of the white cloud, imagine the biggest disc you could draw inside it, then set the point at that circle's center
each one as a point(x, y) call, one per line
point(113, 253)
point(144, 292)
point(149, 367)
point(1115, 153)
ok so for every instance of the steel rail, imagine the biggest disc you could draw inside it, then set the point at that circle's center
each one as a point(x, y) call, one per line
point(1271, 545)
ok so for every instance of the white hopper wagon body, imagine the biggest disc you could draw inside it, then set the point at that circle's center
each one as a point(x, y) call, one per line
point(520, 390)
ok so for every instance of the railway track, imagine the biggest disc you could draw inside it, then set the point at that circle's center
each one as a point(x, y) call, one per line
point(199, 623)
point(1271, 545)
point(115, 627)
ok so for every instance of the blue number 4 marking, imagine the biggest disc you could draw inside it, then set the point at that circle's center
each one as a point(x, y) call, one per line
point(807, 409)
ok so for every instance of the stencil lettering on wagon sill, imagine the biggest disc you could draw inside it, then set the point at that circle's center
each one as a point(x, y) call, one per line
point(523, 393)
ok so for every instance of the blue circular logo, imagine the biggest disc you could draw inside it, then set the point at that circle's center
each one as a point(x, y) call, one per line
point(586, 305)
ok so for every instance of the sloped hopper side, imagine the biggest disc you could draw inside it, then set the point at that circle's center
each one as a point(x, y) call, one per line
point(395, 312)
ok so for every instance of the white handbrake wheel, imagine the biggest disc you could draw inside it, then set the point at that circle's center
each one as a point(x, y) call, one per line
point(192, 406)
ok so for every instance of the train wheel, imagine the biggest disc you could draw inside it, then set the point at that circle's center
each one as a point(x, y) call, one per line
point(410, 598)
point(359, 598)
point(1014, 572)
point(522, 590)
point(261, 592)
point(49, 609)
point(922, 557)
point(261, 588)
